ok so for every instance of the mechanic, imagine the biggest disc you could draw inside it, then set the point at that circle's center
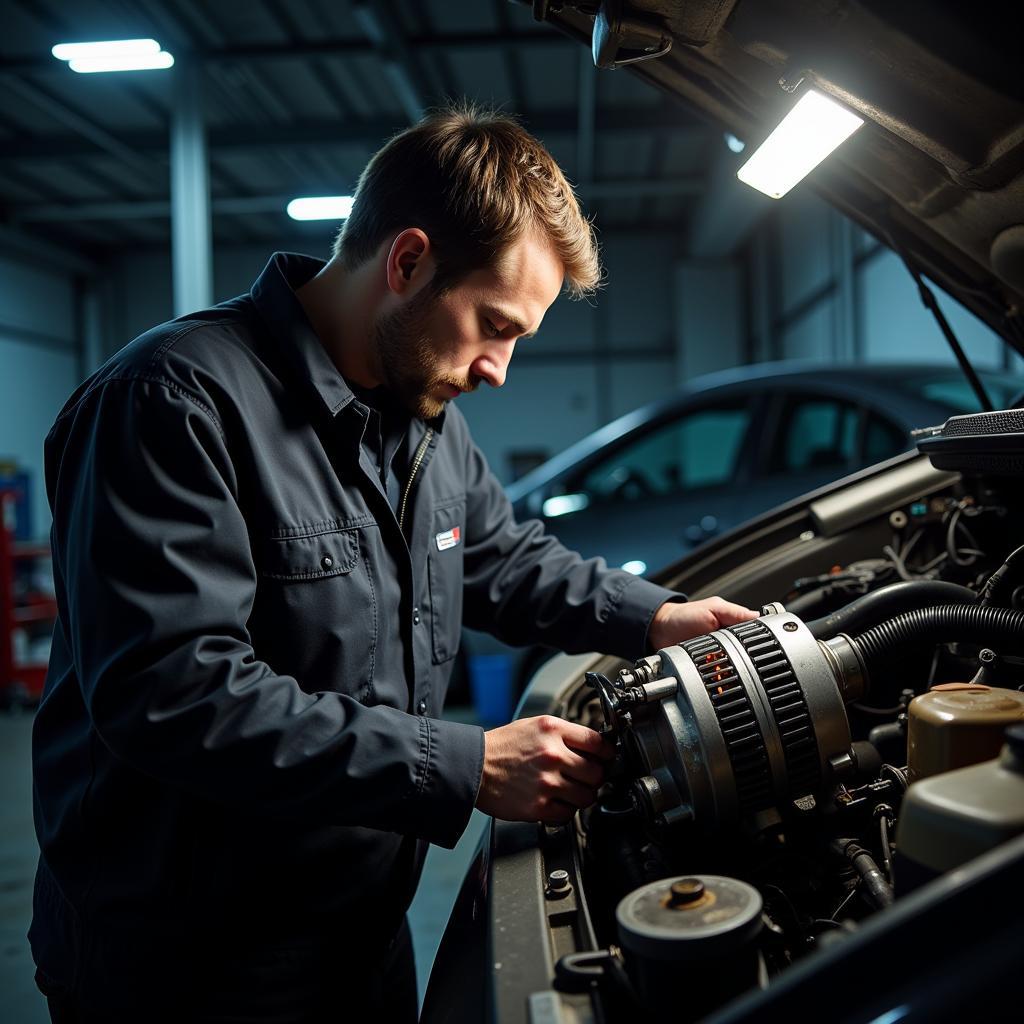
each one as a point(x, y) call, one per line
point(269, 527)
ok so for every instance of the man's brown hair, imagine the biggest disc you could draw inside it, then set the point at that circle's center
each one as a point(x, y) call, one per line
point(475, 181)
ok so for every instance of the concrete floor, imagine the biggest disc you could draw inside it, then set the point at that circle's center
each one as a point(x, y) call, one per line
point(21, 1003)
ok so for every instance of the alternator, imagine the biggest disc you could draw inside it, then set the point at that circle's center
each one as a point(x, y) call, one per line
point(736, 723)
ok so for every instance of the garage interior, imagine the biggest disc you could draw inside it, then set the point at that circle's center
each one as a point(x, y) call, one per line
point(127, 199)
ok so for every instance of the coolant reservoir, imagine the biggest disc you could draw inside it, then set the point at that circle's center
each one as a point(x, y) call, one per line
point(958, 724)
point(950, 819)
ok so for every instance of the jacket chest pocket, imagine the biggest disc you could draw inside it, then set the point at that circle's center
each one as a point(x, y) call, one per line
point(316, 612)
point(444, 570)
point(312, 557)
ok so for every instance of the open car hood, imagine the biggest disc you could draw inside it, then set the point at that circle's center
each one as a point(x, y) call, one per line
point(936, 171)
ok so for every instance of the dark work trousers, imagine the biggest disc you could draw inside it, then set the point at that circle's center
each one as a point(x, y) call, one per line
point(303, 983)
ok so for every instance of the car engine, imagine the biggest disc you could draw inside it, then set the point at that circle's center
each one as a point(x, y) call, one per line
point(782, 781)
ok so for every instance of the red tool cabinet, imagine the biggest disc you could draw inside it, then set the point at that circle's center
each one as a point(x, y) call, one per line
point(24, 609)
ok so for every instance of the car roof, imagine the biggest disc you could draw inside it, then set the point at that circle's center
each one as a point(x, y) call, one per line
point(880, 386)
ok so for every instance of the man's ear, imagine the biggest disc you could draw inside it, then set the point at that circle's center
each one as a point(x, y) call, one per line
point(410, 262)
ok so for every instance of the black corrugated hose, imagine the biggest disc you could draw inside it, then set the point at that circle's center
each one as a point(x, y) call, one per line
point(990, 627)
point(887, 602)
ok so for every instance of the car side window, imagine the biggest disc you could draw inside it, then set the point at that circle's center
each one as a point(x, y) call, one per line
point(817, 433)
point(699, 450)
point(883, 440)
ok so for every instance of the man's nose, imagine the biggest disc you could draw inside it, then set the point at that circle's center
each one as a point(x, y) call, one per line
point(492, 366)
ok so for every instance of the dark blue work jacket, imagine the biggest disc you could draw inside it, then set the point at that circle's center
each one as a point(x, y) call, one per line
point(240, 731)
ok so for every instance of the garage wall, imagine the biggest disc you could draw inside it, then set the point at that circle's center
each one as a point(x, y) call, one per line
point(806, 285)
point(873, 314)
point(39, 366)
point(592, 361)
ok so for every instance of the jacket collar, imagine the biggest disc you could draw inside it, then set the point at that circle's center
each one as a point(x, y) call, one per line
point(273, 294)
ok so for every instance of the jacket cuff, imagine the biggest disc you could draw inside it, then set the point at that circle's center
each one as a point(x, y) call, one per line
point(448, 778)
point(630, 619)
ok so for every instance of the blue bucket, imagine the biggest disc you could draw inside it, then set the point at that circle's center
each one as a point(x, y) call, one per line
point(490, 682)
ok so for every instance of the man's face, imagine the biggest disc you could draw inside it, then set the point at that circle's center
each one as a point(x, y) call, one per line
point(433, 348)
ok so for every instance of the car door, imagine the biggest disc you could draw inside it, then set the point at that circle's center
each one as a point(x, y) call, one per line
point(662, 490)
point(815, 438)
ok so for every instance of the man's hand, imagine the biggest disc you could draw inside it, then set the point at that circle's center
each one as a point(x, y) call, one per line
point(673, 623)
point(541, 769)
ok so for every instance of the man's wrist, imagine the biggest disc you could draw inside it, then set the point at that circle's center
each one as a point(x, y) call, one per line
point(656, 639)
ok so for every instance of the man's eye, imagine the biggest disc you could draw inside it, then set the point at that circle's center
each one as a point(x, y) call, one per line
point(490, 328)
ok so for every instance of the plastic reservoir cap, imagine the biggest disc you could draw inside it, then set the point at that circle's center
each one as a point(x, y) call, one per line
point(690, 917)
point(958, 724)
point(969, 704)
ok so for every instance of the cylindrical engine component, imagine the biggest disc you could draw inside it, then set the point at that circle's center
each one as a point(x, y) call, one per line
point(756, 722)
point(949, 819)
point(958, 724)
point(690, 943)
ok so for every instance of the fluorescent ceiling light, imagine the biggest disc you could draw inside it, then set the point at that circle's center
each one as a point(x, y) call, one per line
point(563, 504)
point(320, 208)
point(803, 138)
point(121, 62)
point(107, 48)
point(636, 567)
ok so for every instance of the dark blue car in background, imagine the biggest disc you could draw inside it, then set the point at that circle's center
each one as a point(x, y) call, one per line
point(652, 485)
point(647, 488)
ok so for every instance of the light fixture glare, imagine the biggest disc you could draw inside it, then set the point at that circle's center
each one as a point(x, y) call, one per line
point(105, 48)
point(564, 504)
point(320, 208)
point(803, 138)
point(124, 62)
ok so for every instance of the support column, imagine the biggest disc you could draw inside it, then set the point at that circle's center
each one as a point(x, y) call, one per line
point(844, 306)
point(191, 234)
point(585, 122)
point(91, 353)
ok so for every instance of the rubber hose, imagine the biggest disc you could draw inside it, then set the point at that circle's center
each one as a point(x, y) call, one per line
point(942, 624)
point(877, 890)
point(886, 602)
point(998, 584)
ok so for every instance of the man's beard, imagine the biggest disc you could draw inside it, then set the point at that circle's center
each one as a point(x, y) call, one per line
point(408, 362)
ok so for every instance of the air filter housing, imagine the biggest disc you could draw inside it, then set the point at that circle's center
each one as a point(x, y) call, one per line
point(982, 442)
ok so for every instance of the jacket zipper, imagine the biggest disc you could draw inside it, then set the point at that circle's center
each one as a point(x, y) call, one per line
point(421, 451)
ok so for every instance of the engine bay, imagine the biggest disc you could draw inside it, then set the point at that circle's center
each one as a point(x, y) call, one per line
point(781, 782)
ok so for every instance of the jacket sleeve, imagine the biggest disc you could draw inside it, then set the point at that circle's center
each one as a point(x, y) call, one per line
point(153, 555)
point(524, 586)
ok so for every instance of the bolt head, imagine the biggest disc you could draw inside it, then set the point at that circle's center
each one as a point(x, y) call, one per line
point(685, 891)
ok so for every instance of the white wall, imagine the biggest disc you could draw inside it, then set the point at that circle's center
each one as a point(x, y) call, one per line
point(797, 259)
point(39, 366)
point(896, 326)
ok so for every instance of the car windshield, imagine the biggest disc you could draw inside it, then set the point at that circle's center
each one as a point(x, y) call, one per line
point(959, 396)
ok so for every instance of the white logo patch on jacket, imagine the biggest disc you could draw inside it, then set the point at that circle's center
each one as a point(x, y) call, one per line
point(448, 539)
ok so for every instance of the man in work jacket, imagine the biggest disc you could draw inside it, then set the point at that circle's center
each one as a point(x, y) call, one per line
point(270, 524)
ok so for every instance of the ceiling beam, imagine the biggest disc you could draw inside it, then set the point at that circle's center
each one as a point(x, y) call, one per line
point(330, 132)
point(39, 213)
point(400, 66)
point(62, 257)
point(83, 127)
